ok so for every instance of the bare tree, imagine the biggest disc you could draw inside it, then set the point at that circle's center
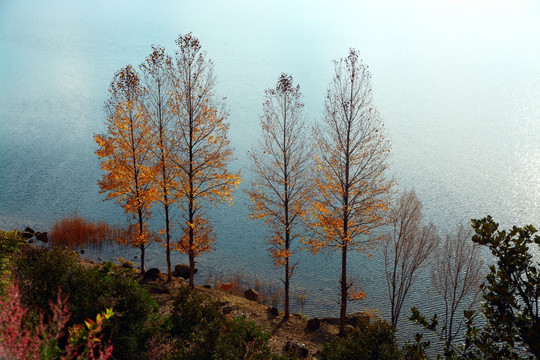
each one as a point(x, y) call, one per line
point(157, 104)
point(280, 190)
point(407, 250)
point(350, 164)
point(456, 276)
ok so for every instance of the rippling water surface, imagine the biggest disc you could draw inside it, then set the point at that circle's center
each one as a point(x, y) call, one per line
point(457, 83)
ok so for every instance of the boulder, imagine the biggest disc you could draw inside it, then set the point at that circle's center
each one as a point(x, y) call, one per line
point(151, 274)
point(27, 235)
point(358, 319)
point(182, 271)
point(273, 311)
point(43, 237)
point(229, 287)
point(313, 324)
point(227, 309)
point(251, 294)
point(299, 350)
point(29, 230)
point(207, 286)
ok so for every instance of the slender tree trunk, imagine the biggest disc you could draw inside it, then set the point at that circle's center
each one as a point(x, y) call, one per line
point(141, 231)
point(168, 238)
point(165, 186)
point(139, 205)
point(191, 270)
point(191, 204)
point(286, 197)
point(394, 286)
point(343, 310)
point(286, 317)
point(344, 286)
point(190, 252)
point(142, 247)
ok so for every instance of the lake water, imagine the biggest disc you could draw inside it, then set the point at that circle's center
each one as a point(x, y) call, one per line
point(457, 84)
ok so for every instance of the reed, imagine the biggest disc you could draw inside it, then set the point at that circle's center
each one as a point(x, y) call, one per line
point(75, 231)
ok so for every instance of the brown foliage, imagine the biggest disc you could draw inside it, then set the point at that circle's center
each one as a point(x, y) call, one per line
point(76, 231)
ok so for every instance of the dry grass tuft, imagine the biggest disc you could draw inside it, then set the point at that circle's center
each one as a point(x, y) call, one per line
point(75, 231)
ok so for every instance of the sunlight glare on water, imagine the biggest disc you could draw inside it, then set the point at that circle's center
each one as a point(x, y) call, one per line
point(457, 84)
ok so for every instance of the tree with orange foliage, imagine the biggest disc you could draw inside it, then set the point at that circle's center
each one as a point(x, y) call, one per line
point(157, 105)
point(202, 147)
point(350, 165)
point(126, 157)
point(280, 191)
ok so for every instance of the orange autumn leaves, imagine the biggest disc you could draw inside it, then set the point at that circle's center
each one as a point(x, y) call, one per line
point(167, 143)
point(174, 153)
point(125, 153)
point(333, 193)
point(353, 192)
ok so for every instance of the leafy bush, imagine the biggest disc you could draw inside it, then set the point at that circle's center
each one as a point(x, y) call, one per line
point(10, 244)
point(230, 338)
point(375, 341)
point(510, 326)
point(511, 290)
point(208, 334)
point(190, 314)
point(42, 272)
point(136, 319)
point(18, 341)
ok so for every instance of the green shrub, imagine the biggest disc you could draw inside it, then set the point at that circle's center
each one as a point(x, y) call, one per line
point(190, 314)
point(231, 338)
point(375, 341)
point(208, 334)
point(42, 272)
point(10, 245)
point(136, 319)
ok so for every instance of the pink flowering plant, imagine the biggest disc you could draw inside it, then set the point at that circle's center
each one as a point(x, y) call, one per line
point(19, 341)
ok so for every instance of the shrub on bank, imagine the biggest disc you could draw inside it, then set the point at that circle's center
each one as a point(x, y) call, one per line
point(208, 334)
point(196, 329)
point(10, 244)
point(376, 341)
point(42, 272)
